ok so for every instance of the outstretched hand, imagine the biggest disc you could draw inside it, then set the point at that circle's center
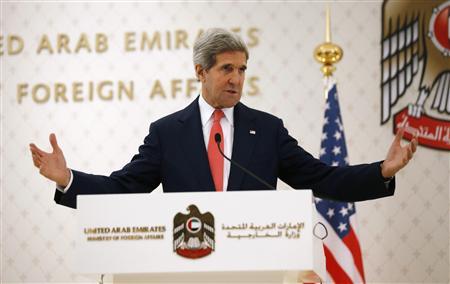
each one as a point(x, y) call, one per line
point(398, 155)
point(51, 165)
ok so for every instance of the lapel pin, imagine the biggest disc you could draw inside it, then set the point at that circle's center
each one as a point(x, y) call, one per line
point(253, 132)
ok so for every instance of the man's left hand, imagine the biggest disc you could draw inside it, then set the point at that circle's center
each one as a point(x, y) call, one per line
point(398, 155)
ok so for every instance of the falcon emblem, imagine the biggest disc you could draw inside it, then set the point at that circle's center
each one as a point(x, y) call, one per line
point(416, 53)
point(193, 233)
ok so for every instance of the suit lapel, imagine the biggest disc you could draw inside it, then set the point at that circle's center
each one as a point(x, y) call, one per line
point(243, 144)
point(193, 145)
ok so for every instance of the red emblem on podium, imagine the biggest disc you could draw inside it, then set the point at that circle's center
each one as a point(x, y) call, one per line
point(193, 233)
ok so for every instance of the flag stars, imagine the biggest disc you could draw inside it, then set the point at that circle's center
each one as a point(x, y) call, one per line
point(350, 206)
point(342, 227)
point(344, 211)
point(322, 151)
point(317, 200)
point(337, 135)
point(334, 163)
point(338, 122)
point(347, 160)
point(325, 121)
point(327, 106)
point(324, 136)
point(336, 150)
point(330, 213)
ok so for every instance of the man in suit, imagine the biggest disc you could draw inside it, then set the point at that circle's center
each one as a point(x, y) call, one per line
point(181, 150)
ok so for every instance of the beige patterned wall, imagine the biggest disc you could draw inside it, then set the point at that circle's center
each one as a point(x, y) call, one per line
point(404, 238)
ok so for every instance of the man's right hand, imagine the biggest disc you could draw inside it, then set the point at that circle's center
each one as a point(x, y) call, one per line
point(51, 165)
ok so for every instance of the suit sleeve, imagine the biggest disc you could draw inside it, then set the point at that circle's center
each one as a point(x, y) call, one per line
point(301, 170)
point(142, 174)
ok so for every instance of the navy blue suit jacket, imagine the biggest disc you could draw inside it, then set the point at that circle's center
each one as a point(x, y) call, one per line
point(174, 154)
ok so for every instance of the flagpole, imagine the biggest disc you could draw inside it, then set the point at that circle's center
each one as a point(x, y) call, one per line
point(343, 257)
point(328, 53)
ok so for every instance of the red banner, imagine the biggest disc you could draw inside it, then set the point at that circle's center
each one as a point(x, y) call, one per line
point(433, 132)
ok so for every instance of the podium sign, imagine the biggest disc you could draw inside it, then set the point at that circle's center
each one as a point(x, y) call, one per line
point(256, 231)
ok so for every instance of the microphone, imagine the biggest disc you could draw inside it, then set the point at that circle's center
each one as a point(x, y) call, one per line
point(218, 139)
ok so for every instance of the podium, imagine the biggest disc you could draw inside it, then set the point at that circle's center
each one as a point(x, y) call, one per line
point(204, 237)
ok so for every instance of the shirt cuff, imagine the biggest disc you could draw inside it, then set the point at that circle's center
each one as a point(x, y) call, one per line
point(65, 189)
point(387, 182)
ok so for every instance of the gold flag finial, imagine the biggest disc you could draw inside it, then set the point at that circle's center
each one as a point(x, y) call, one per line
point(328, 53)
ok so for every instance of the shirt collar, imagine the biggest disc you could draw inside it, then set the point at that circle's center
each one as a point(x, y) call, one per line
point(206, 112)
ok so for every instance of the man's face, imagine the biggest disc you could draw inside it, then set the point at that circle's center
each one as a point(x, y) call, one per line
point(222, 83)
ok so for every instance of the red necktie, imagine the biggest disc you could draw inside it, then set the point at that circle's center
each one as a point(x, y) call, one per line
point(214, 156)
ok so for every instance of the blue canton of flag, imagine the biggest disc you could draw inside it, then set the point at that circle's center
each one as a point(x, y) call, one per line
point(341, 247)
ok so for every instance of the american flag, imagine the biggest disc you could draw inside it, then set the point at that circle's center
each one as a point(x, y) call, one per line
point(342, 251)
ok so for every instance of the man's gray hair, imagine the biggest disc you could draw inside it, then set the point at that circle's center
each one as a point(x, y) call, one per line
point(215, 41)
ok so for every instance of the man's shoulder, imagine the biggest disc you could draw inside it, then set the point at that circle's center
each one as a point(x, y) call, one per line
point(253, 113)
point(170, 118)
point(178, 116)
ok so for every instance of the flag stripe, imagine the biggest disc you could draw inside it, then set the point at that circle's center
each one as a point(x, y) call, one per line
point(334, 269)
point(352, 243)
point(342, 253)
